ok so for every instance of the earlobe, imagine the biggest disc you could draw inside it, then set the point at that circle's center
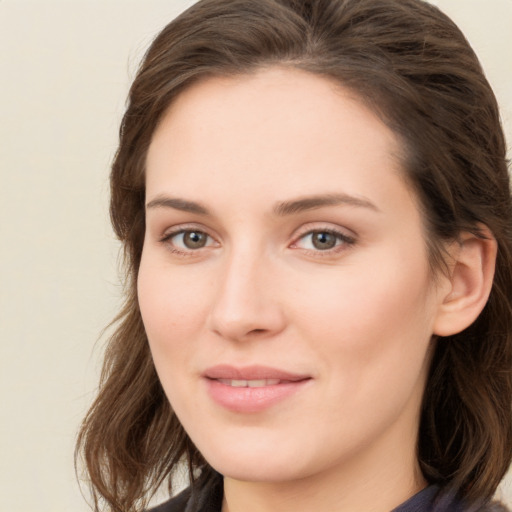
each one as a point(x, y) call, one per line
point(471, 278)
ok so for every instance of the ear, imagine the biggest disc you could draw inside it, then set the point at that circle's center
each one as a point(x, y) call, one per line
point(469, 283)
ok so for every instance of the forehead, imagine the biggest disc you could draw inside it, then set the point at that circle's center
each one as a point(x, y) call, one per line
point(298, 100)
point(275, 128)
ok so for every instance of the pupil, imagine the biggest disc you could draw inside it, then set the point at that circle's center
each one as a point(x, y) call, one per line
point(323, 240)
point(194, 239)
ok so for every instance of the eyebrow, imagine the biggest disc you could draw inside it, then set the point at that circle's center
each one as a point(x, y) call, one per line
point(281, 209)
point(319, 201)
point(178, 204)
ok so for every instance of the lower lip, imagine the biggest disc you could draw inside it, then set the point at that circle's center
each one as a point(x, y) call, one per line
point(247, 400)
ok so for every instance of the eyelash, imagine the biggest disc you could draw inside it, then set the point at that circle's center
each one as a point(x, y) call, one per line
point(343, 241)
point(167, 241)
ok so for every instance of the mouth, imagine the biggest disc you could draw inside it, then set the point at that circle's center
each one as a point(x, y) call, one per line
point(251, 389)
point(256, 374)
point(261, 383)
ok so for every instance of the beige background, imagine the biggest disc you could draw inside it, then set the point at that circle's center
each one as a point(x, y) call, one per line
point(65, 67)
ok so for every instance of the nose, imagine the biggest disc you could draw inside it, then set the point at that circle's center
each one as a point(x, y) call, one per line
point(245, 303)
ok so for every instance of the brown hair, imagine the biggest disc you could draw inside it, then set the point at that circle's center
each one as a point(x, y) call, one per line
point(411, 65)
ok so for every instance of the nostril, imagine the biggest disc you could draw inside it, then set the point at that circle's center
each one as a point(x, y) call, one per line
point(257, 331)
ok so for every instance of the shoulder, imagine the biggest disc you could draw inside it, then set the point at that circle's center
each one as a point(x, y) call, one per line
point(447, 502)
point(437, 499)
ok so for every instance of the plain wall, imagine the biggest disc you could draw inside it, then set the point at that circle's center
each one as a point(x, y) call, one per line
point(65, 71)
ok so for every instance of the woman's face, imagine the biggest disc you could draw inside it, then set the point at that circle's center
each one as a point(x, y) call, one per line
point(284, 283)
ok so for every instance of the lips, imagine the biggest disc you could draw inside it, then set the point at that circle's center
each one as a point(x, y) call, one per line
point(251, 389)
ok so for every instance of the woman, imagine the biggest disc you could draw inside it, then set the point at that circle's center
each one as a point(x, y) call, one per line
point(314, 203)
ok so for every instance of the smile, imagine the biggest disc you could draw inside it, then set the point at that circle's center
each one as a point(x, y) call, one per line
point(251, 389)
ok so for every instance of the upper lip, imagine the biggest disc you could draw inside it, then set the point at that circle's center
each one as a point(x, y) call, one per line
point(254, 372)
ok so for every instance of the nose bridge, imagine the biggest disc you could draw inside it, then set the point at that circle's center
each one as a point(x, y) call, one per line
point(245, 303)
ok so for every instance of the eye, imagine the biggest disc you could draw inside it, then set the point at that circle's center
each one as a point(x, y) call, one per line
point(323, 240)
point(188, 240)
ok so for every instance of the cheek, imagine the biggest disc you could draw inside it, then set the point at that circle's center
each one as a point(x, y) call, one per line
point(355, 299)
point(371, 319)
point(171, 307)
point(371, 333)
point(172, 304)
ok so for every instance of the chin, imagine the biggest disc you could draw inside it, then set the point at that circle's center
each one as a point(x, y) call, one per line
point(254, 461)
point(254, 470)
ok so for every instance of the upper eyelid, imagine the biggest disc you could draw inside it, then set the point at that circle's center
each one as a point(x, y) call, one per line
point(170, 234)
point(180, 228)
point(312, 227)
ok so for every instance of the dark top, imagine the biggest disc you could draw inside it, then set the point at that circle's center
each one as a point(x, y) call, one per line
point(208, 493)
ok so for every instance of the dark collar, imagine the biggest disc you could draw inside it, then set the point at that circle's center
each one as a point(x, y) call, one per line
point(207, 493)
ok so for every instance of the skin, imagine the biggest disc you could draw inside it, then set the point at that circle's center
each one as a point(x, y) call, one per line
point(357, 318)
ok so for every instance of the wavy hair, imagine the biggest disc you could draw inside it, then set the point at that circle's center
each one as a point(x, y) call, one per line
point(414, 68)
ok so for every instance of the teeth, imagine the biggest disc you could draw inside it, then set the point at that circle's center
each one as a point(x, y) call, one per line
point(250, 383)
